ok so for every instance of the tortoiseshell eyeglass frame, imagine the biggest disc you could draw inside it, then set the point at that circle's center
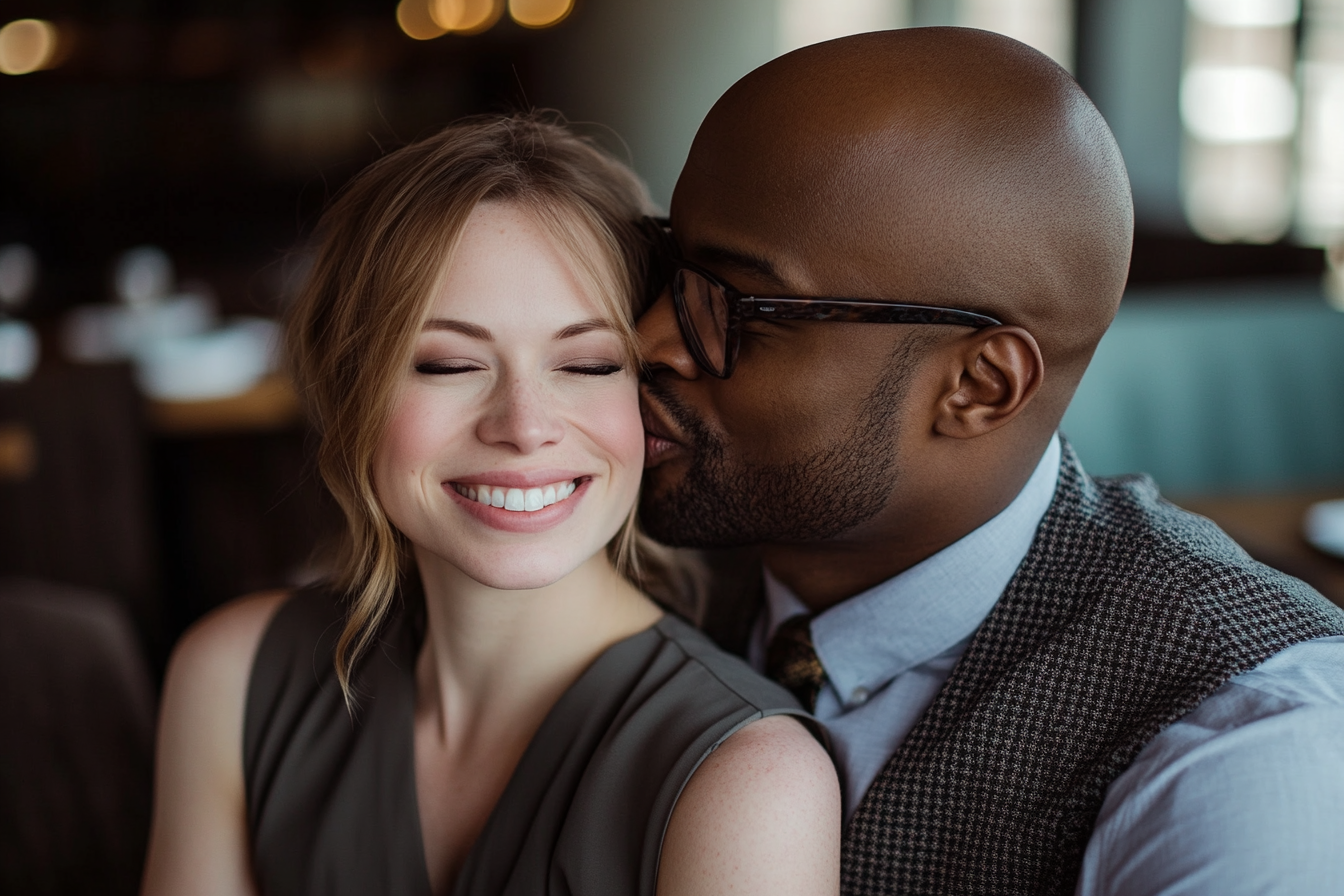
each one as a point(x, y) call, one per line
point(668, 267)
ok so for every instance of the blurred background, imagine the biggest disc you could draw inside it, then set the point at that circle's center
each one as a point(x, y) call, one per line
point(162, 164)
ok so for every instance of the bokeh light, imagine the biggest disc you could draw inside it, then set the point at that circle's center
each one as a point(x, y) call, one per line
point(1320, 183)
point(805, 22)
point(18, 452)
point(18, 275)
point(1334, 275)
point(27, 45)
point(1239, 108)
point(539, 13)
point(1246, 13)
point(1238, 103)
point(1046, 25)
point(466, 16)
point(416, 22)
point(1238, 192)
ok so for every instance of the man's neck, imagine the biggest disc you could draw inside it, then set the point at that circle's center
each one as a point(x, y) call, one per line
point(823, 575)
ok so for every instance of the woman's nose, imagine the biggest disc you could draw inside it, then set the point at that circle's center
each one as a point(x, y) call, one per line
point(520, 417)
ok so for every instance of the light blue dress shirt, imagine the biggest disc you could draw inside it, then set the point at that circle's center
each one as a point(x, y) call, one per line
point(1244, 795)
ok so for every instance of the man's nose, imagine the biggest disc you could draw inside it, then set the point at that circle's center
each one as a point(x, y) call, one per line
point(520, 417)
point(661, 342)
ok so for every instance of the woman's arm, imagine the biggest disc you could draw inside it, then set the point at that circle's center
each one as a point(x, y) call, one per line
point(760, 816)
point(198, 840)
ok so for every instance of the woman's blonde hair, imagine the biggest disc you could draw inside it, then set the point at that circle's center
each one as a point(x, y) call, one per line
point(383, 246)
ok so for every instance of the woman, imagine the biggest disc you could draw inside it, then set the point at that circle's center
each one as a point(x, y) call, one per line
point(484, 701)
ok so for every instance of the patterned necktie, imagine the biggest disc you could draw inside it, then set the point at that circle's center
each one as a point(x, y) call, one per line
point(791, 660)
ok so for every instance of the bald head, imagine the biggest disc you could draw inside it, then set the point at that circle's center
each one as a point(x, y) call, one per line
point(932, 165)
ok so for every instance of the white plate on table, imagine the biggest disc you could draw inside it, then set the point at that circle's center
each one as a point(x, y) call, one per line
point(1323, 526)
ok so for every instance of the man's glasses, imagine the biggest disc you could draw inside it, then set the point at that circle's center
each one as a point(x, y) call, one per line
point(711, 313)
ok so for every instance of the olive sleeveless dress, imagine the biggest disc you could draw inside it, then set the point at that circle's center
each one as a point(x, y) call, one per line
point(331, 799)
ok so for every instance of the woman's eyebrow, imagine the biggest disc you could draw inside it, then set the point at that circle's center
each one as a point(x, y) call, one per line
point(476, 331)
point(459, 326)
point(584, 326)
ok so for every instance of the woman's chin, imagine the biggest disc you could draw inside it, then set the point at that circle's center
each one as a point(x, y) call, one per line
point(522, 564)
point(515, 573)
point(518, 581)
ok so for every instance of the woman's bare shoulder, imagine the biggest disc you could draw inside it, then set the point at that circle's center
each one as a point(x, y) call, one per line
point(198, 838)
point(206, 685)
point(760, 815)
point(222, 644)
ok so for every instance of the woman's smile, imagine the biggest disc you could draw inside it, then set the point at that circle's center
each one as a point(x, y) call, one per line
point(522, 510)
point(518, 499)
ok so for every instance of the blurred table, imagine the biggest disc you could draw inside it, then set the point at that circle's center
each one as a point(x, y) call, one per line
point(270, 405)
point(1269, 527)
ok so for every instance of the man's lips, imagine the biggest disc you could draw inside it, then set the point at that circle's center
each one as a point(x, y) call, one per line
point(660, 443)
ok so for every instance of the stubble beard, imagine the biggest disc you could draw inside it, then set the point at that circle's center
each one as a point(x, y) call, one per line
point(723, 501)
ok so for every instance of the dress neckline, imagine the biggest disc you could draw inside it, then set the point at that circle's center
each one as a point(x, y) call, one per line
point(560, 724)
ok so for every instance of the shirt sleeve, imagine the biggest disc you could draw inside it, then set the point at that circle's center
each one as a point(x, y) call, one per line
point(1222, 806)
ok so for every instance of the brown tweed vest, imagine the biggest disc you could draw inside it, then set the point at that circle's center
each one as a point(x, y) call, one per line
point(1124, 615)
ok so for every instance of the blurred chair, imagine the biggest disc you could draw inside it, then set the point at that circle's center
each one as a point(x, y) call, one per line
point(76, 744)
point(1217, 388)
point(79, 510)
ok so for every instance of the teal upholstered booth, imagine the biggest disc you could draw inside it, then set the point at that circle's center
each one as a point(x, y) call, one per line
point(1217, 388)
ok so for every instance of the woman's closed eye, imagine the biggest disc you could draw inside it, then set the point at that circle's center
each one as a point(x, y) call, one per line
point(593, 368)
point(582, 368)
point(446, 366)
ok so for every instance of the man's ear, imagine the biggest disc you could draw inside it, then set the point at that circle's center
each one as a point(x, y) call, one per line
point(992, 376)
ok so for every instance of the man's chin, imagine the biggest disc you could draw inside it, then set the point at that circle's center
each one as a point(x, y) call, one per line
point(661, 521)
point(663, 477)
point(670, 520)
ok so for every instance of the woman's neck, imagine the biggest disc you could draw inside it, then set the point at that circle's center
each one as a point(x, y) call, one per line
point(495, 658)
point(492, 665)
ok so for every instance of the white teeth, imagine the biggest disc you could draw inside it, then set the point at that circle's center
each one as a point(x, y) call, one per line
point(517, 499)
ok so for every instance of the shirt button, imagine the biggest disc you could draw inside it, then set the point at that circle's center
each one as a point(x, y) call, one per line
point(858, 696)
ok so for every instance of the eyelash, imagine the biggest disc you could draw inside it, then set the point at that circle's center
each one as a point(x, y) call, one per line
point(594, 369)
point(435, 368)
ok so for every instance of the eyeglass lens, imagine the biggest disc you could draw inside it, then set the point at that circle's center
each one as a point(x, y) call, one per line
point(707, 313)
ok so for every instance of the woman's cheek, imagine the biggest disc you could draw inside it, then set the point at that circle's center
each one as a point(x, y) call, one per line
point(414, 441)
point(621, 427)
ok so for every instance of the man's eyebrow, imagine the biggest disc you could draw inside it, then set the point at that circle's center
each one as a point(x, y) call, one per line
point(749, 263)
point(459, 326)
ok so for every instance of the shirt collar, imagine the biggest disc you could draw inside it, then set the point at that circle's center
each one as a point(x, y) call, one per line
point(867, 640)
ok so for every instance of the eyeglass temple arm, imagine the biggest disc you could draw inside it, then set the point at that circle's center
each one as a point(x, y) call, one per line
point(860, 311)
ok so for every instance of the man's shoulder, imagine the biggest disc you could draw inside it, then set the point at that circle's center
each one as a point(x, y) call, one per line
point(1151, 524)
point(1309, 673)
point(1299, 679)
point(1142, 544)
point(1240, 795)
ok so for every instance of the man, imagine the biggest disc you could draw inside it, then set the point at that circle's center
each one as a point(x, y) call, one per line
point(1035, 682)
